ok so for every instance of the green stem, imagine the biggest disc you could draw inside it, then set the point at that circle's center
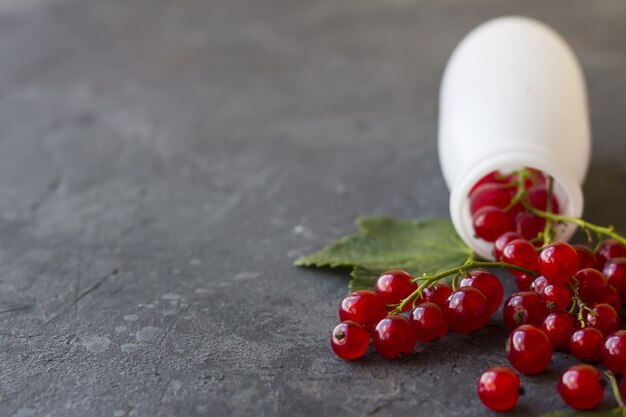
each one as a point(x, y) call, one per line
point(600, 230)
point(547, 230)
point(615, 389)
point(470, 264)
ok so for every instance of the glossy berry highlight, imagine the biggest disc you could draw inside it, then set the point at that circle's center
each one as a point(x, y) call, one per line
point(364, 307)
point(394, 337)
point(581, 387)
point(349, 340)
point(499, 388)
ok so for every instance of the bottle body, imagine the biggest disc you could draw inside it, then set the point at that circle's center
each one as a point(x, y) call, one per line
point(512, 96)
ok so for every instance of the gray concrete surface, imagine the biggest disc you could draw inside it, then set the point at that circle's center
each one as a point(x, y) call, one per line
point(163, 162)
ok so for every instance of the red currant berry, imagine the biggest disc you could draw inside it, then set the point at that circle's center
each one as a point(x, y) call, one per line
point(581, 387)
point(499, 388)
point(609, 249)
point(604, 318)
point(586, 257)
point(495, 195)
point(503, 240)
point(615, 273)
point(363, 307)
point(586, 344)
point(529, 350)
point(538, 196)
point(394, 286)
point(467, 310)
point(488, 284)
point(349, 340)
point(539, 284)
point(429, 321)
point(528, 225)
point(524, 281)
point(558, 262)
point(592, 283)
point(524, 307)
point(614, 352)
point(490, 222)
point(559, 327)
point(611, 297)
point(556, 297)
point(437, 293)
point(522, 253)
point(493, 177)
point(394, 337)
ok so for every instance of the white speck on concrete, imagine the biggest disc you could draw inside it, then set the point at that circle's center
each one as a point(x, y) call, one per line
point(120, 329)
point(303, 231)
point(130, 347)
point(149, 306)
point(195, 262)
point(170, 296)
point(147, 333)
point(131, 317)
point(95, 344)
point(246, 275)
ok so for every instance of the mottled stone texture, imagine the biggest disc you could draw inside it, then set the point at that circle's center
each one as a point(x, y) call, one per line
point(163, 162)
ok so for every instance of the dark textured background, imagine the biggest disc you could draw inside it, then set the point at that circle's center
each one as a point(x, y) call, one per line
point(163, 162)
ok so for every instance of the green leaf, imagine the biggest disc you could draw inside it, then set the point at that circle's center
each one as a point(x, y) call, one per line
point(615, 412)
point(383, 243)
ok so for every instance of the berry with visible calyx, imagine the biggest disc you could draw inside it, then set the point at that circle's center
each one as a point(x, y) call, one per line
point(349, 340)
point(437, 293)
point(467, 310)
point(525, 307)
point(586, 344)
point(538, 196)
point(611, 297)
point(429, 321)
point(364, 307)
point(503, 240)
point(394, 286)
point(559, 327)
point(614, 352)
point(499, 388)
point(581, 387)
point(489, 284)
point(529, 349)
point(604, 318)
point(394, 337)
point(528, 225)
point(556, 297)
point(586, 257)
point(539, 284)
point(490, 222)
point(521, 253)
point(615, 273)
point(494, 195)
point(609, 249)
point(558, 262)
point(591, 284)
point(524, 281)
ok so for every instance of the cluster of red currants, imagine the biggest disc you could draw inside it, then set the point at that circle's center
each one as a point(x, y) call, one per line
point(569, 298)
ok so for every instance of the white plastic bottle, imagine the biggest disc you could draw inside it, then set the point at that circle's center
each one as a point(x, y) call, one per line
point(513, 95)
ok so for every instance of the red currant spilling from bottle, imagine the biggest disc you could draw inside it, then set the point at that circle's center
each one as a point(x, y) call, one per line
point(556, 297)
point(499, 388)
point(394, 337)
point(524, 307)
point(364, 307)
point(591, 284)
point(586, 344)
point(394, 286)
point(488, 284)
point(558, 262)
point(349, 340)
point(503, 240)
point(467, 310)
point(559, 327)
point(521, 253)
point(529, 349)
point(581, 387)
point(604, 318)
point(538, 196)
point(490, 222)
point(429, 322)
point(494, 195)
point(528, 225)
point(614, 352)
